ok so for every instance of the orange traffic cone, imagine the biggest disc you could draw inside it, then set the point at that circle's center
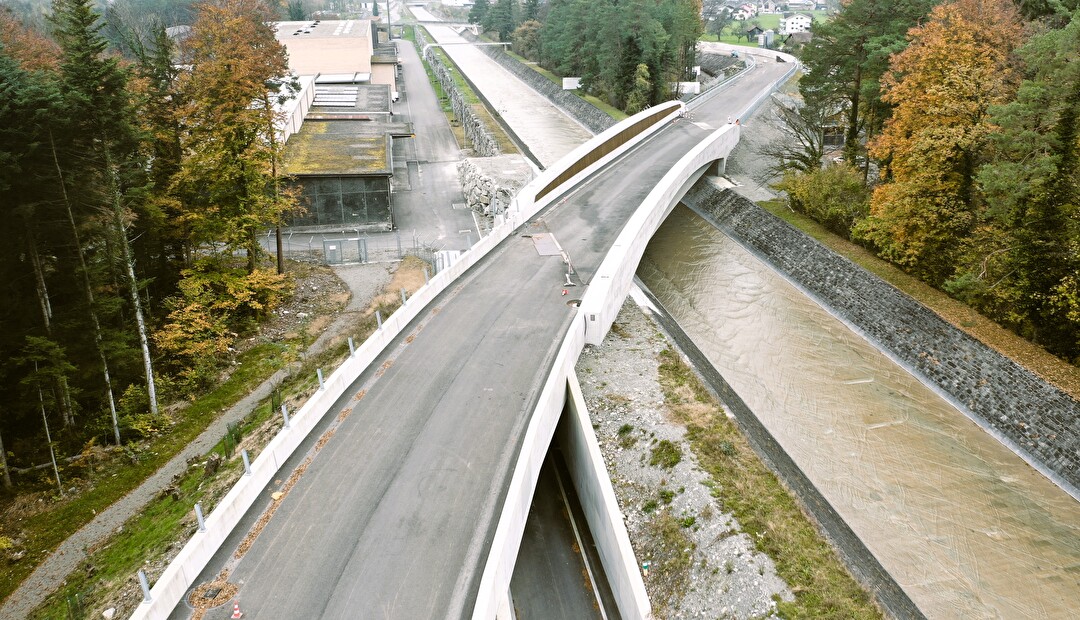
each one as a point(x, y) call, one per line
point(236, 613)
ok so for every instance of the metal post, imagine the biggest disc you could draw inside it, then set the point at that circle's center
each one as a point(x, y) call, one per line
point(247, 462)
point(285, 414)
point(318, 372)
point(145, 586)
point(426, 277)
point(404, 298)
point(352, 347)
point(199, 517)
point(378, 318)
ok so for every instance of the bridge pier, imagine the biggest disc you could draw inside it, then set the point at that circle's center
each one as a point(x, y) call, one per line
point(717, 168)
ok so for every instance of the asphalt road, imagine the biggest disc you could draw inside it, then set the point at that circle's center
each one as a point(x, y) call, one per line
point(394, 517)
point(558, 573)
point(431, 159)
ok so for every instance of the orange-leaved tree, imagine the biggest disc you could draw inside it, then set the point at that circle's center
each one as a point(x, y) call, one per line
point(958, 64)
point(227, 177)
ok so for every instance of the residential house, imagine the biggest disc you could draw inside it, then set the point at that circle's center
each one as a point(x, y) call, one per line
point(796, 22)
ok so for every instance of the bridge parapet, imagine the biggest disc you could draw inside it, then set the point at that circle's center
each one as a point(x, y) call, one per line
point(588, 158)
point(599, 306)
point(611, 282)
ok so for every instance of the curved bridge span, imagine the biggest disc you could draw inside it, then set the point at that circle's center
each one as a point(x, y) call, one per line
point(414, 507)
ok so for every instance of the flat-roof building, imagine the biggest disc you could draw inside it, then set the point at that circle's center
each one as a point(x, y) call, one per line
point(340, 157)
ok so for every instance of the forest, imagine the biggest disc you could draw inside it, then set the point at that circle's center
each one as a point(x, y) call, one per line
point(960, 159)
point(134, 192)
point(627, 53)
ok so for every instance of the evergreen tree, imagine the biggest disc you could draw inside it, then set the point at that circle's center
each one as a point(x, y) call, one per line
point(848, 55)
point(1026, 277)
point(530, 10)
point(478, 12)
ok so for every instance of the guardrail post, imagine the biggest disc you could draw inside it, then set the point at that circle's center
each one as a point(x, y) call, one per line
point(285, 414)
point(378, 318)
point(199, 517)
point(247, 462)
point(145, 584)
point(318, 373)
point(426, 277)
point(352, 347)
point(404, 298)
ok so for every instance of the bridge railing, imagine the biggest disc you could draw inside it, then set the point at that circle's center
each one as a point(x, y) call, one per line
point(588, 158)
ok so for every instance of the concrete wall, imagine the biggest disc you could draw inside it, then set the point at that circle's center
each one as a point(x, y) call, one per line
point(525, 204)
point(293, 111)
point(601, 507)
point(477, 136)
point(385, 73)
point(1035, 419)
point(611, 282)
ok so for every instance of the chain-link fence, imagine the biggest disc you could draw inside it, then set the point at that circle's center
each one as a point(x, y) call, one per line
point(349, 247)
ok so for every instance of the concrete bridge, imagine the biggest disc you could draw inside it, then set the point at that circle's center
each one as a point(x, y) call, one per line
point(416, 504)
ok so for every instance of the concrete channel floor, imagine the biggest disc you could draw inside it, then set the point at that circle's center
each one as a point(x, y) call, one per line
point(547, 131)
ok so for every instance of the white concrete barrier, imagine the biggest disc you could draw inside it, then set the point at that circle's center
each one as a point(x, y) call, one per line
point(181, 573)
point(611, 282)
point(526, 204)
point(593, 485)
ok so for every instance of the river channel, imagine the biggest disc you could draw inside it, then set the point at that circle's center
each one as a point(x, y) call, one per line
point(965, 526)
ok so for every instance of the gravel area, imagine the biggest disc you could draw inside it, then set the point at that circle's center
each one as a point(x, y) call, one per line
point(716, 573)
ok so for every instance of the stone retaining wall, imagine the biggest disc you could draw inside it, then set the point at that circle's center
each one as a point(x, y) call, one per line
point(489, 184)
point(476, 134)
point(1030, 416)
point(591, 117)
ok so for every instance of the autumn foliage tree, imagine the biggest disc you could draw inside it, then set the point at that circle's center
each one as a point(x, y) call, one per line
point(226, 183)
point(958, 65)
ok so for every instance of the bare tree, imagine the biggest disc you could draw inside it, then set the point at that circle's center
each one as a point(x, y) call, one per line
point(802, 147)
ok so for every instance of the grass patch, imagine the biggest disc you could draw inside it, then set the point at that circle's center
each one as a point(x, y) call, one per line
point(665, 454)
point(670, 553)
point(963, 317)
point(767, 512)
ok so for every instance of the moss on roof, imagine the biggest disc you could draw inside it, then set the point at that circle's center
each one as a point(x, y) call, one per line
point(316, 150)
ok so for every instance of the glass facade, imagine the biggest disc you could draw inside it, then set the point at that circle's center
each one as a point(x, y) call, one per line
point(343, 202)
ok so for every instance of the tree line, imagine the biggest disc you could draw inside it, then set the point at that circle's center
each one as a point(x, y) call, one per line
point(629, 53)
point(967, 110)
point(134, 191)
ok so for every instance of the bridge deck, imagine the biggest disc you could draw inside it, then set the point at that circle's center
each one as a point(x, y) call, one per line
point(395, 516)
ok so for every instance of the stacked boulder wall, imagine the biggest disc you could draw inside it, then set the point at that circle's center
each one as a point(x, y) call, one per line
point(1033, 418)
point(490, 183)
